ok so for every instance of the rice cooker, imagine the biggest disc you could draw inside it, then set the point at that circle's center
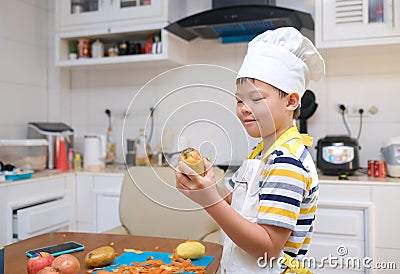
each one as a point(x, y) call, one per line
point(391, 156)
point(338, 155)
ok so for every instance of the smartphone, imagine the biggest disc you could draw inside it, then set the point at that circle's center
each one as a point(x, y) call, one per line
point(57, 249)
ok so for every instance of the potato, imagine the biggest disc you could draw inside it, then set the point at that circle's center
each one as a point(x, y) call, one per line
point(191, 249)
point(101, 256)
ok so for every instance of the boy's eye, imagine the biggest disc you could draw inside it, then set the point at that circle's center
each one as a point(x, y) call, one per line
point(257, 99)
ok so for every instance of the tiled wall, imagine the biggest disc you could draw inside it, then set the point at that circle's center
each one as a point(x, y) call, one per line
point(354, 76)
point(23, 66)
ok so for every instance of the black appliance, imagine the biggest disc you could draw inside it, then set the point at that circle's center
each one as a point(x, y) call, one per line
point(307, 109)
point(338, 155)
point(241, 21)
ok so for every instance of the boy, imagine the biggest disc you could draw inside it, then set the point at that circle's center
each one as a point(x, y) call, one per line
point(269, 209)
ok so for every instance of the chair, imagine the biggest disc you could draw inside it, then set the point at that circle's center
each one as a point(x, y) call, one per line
point(150, 205)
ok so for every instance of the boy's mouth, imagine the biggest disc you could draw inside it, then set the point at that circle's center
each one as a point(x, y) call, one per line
point(247, 122)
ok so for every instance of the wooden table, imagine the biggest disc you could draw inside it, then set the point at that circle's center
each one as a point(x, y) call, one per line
point(15, 259)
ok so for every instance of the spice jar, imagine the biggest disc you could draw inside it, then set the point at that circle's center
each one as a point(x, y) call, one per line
point(83, 48)
point(112, 51)
point(123, 47)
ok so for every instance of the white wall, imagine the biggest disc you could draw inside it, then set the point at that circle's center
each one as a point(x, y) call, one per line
point(23, 66)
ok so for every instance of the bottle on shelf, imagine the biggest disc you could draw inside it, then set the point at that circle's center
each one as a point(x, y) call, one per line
point(156, 47)
point(97, 49)
point(148, 46)
point(142, 150)
point(77, 162)
point(71, 158)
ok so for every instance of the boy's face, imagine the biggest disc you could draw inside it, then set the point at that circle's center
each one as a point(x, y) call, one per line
point(261, 109)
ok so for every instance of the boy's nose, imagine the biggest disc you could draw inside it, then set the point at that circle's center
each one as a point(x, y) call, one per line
point(245, 109)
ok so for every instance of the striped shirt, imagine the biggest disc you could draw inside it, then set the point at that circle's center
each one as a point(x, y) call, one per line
point(289, 194)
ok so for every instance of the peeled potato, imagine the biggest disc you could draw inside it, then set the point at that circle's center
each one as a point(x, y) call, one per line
point(101, 256)
point(193, 159)
point(191, 249)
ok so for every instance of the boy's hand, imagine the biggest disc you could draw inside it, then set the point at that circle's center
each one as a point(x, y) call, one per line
point(202, 190)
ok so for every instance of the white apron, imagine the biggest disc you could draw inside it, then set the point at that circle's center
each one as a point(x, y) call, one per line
point(245, 200)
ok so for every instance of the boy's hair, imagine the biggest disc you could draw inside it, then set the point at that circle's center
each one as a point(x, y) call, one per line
point(282, 94)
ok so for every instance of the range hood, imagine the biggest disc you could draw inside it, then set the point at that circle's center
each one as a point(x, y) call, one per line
point(240, 22)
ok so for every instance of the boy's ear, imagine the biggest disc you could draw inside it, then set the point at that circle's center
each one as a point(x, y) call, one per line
point(293, 100)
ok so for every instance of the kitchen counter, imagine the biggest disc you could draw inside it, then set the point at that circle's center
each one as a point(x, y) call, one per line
point(118, 170)
point(112, 170)
point(359, 180)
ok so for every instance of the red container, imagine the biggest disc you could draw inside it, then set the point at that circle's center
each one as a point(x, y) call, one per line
point(379, 169)
point(371, 168)
point(83, 48)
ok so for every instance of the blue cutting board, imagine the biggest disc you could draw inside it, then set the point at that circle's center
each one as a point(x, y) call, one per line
point(128, 257)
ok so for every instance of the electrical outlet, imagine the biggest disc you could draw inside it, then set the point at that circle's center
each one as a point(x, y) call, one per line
point(354, 110)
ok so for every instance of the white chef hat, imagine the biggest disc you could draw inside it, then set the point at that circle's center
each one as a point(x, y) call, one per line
point(283, 58)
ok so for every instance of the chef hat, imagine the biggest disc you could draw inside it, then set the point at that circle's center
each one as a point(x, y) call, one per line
point(283, 58)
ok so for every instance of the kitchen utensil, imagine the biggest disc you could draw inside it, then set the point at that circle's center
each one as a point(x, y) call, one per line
point(307, 109)
point(159, 159)
point(391, 155)
point(110, 146)
point(52, 132)
point(94, 152)
point(338, 155)
point(62, 162)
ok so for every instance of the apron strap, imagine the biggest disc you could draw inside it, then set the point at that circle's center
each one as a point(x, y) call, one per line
point(294, 265)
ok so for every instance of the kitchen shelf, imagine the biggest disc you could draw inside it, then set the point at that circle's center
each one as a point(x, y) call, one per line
point(173, 48)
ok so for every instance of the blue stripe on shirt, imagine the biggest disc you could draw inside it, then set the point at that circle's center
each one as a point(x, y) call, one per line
point(305, 221)
point(291, 161)
point(280, 198)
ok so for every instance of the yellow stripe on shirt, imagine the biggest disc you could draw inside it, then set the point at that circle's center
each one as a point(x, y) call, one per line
point(308, 210)
point(278, 211)
point(290, 174)
point(293, 245)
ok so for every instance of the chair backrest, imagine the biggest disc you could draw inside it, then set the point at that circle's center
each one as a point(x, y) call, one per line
point(150, 205)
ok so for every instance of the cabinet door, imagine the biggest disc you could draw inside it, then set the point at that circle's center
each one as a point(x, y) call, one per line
point(82, 12)
point(107, 190)
point(84, 203)
point(352, 20)
point(136, 9)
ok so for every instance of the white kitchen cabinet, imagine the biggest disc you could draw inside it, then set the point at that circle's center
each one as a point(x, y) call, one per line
point(386, 202)
point(112, 21)
point(35, 206)
point(344, 23)
point(343, 227)
point(86, 14)
point(97, 201)
point(173, 49)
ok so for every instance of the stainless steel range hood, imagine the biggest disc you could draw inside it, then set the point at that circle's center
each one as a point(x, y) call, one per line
point(240, 22)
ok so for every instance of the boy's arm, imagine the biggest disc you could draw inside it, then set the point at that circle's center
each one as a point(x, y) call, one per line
point(225, 193)
point(253, 238)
